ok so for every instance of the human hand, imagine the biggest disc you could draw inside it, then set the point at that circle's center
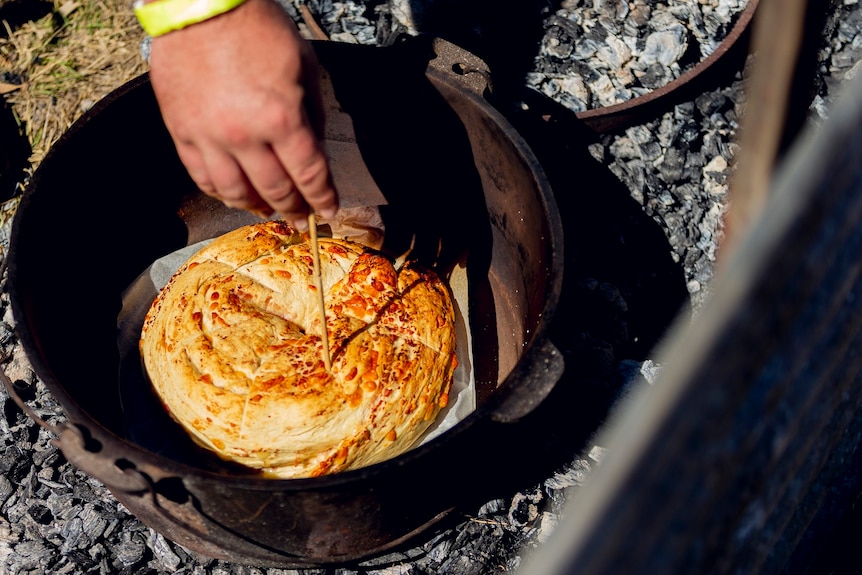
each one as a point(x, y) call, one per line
point(239, 96)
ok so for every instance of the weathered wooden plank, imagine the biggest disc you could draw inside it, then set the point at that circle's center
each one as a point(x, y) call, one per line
point(722, 465)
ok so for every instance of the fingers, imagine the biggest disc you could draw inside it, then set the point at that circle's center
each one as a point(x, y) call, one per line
point(257, 180)
point(239, 96)
point(299, 157)
point(194, 163)
point(218, 175)
point(273, 162)
point(270, 181)
point(305, 161)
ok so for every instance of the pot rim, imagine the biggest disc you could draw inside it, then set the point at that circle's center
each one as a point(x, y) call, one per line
point(115, 446)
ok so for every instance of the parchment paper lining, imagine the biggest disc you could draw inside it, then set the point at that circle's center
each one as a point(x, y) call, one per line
point(358, 224)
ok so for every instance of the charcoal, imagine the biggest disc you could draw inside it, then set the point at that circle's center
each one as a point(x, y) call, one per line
point(40, 514)
point(6, 489)
point(493, 507)
point(673, 166)
point(46, 456)
point(31, 555)
point(7, 336)
point(439, 552)
point(651, 42)
point(131, 548)
point(164, 553)
point(73, 535)
point(524, 509)
point(12, 416)
point(466, 564)
point(93, 520)
point(654, 76)
point(571, 475)
point(84, 491)
point(711, 103)
point(15, 461)
point(62, 504)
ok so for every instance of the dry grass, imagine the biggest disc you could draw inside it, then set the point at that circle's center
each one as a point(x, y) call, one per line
point(65, 61)
point(68, 60)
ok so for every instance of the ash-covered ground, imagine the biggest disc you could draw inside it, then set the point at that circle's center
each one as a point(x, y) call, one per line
point(663, 184)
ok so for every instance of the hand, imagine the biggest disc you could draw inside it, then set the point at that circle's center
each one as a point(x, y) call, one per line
point(239, 95)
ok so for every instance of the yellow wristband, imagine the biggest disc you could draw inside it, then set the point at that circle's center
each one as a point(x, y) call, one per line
point(163, 16)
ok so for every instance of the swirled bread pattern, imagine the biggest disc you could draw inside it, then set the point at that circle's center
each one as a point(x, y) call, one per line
point(233, 347)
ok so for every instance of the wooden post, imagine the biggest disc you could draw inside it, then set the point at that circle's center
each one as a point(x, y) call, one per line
point(724, 464)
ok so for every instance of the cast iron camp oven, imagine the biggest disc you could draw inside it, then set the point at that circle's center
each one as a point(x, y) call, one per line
point(459, 183)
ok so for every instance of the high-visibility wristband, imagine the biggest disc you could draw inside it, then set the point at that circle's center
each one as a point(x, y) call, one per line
point(163, 16)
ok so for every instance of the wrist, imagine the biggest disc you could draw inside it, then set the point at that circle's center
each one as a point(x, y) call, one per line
point(158, 17)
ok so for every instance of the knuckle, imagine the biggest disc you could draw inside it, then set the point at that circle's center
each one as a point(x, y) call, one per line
point(279, 192)
point(312, 173)
point(235, 134)
point(283, 114)
point(233, 192)
point(283, 197)
point(278, 120)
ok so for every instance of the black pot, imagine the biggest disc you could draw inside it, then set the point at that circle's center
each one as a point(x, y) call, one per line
point(111, 196)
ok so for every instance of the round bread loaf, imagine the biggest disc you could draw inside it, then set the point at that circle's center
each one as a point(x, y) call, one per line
point(233, 347)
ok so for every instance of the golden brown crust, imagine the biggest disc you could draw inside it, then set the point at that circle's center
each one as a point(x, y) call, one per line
point(232, 346)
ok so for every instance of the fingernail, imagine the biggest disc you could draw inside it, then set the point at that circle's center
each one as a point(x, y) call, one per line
point(301, 225)
point(328, 212)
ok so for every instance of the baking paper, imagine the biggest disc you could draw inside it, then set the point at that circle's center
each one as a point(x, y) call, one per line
point(361, 224)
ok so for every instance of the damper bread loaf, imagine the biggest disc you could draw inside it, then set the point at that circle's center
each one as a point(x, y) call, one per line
point(233, 348)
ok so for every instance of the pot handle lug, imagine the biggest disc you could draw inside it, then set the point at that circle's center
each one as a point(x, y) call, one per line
point(465, 67)
point(82, 451)
point(536, 375)
point(85, 453)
